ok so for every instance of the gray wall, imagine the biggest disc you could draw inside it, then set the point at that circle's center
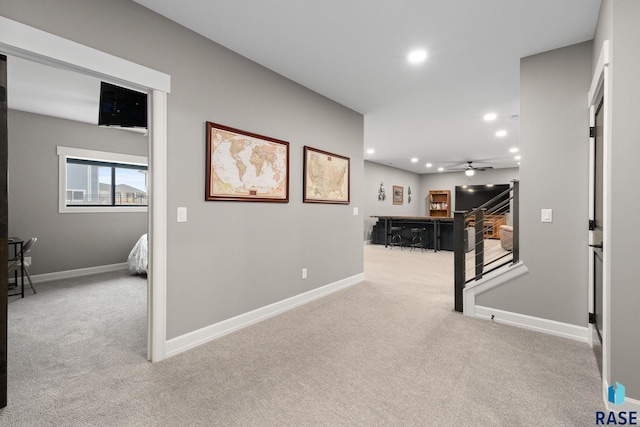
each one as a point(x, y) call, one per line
point(449, 181)
point(604, 30)
point(230, 257)
point(620, 24)
point(374, 174)
point(554, 174)
point(71, 240)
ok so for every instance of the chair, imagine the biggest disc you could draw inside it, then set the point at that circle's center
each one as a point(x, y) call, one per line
point(396, 237)
point(506, 237)
point(16, 264)
point(417, 241)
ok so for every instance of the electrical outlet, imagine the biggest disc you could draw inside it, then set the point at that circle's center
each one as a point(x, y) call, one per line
point(304, 273)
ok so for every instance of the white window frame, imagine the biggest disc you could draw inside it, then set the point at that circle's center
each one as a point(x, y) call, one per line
point(102, 156)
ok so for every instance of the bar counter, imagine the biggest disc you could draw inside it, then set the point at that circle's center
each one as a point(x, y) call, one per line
point(436, 232)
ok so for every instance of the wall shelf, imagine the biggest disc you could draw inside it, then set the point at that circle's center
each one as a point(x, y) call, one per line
point(439, 203)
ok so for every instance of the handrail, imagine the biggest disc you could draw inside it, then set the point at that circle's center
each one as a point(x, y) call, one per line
point(500, 205)
point(485, 271)
point(490, 250)
point(489, 202)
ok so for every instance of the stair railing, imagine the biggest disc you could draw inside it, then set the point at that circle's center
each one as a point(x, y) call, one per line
point(477, 239)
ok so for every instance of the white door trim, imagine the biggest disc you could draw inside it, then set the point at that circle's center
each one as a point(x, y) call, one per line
point(36, 45)
point(157, 266)
point(602, 79)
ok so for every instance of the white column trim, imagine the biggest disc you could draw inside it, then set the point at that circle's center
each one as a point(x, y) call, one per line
point(157, 299)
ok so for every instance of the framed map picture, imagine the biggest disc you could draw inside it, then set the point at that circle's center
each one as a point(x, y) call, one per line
point(398, 195)
point(326, 177)
point(243, 166)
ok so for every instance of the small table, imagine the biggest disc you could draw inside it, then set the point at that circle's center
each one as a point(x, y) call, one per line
point(16, 244)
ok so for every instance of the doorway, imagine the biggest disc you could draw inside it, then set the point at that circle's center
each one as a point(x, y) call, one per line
point(29, 43)
point(596, 228)
point(599, 212)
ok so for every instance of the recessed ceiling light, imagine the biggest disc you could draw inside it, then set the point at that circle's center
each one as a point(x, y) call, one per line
point(490, 117)
point(371, 151)
point(517, 157)
point(428, 165)
point(513, 150)
point(501, 133)
point(414, 160)
point(440, 169)
point(417, 56)
point(489, 185)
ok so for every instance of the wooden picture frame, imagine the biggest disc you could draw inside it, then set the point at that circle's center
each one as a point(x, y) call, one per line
point(398, 195)
point(326, 177)
point(244, 166)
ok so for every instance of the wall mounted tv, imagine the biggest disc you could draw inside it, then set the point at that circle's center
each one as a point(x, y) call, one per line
point(122, 107)
point(469, 197)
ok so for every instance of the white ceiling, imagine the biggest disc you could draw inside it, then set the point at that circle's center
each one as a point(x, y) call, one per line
point(50, 91)
point(354, 52)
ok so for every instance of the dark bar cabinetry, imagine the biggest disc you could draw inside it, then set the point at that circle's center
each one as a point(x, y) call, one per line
point(436, 233)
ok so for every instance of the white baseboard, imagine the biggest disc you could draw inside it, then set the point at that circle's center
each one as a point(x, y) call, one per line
point(48, 277)
point(193, 339)
point(565, 330)
point(628, 405)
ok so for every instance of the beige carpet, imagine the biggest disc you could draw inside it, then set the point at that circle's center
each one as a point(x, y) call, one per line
point(387, 352)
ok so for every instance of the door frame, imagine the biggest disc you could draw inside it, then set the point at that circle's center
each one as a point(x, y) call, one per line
point(4, 222)
point(30, 43)
point(602, 82)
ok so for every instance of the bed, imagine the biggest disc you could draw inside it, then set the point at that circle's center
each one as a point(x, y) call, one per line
point(138, 256)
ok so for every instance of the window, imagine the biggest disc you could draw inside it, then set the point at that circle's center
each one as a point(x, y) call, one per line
point(97, 181)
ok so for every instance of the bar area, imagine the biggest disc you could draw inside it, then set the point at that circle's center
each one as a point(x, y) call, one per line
point(415, 232)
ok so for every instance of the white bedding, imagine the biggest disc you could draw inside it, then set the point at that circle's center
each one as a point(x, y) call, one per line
point(138, 256)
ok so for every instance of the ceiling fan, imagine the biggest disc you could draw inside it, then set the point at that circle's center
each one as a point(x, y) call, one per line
point(470, 170)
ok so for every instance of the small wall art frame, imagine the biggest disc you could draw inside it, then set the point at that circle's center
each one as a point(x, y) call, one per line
point(398, 195)
point(326, 177)
point(244, 166)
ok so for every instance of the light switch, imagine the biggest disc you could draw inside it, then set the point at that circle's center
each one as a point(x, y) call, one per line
point(355, 211)
point(547, 215)
point(182, 214)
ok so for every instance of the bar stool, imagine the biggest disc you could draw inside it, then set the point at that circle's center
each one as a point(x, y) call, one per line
point(396, 237)
point(417, 241)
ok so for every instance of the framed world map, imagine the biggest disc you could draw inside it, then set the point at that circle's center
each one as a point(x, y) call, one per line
point(326, 177)
point(243, 166)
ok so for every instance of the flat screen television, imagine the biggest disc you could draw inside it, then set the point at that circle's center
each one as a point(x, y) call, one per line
point(469, 197)
point(122, 107)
